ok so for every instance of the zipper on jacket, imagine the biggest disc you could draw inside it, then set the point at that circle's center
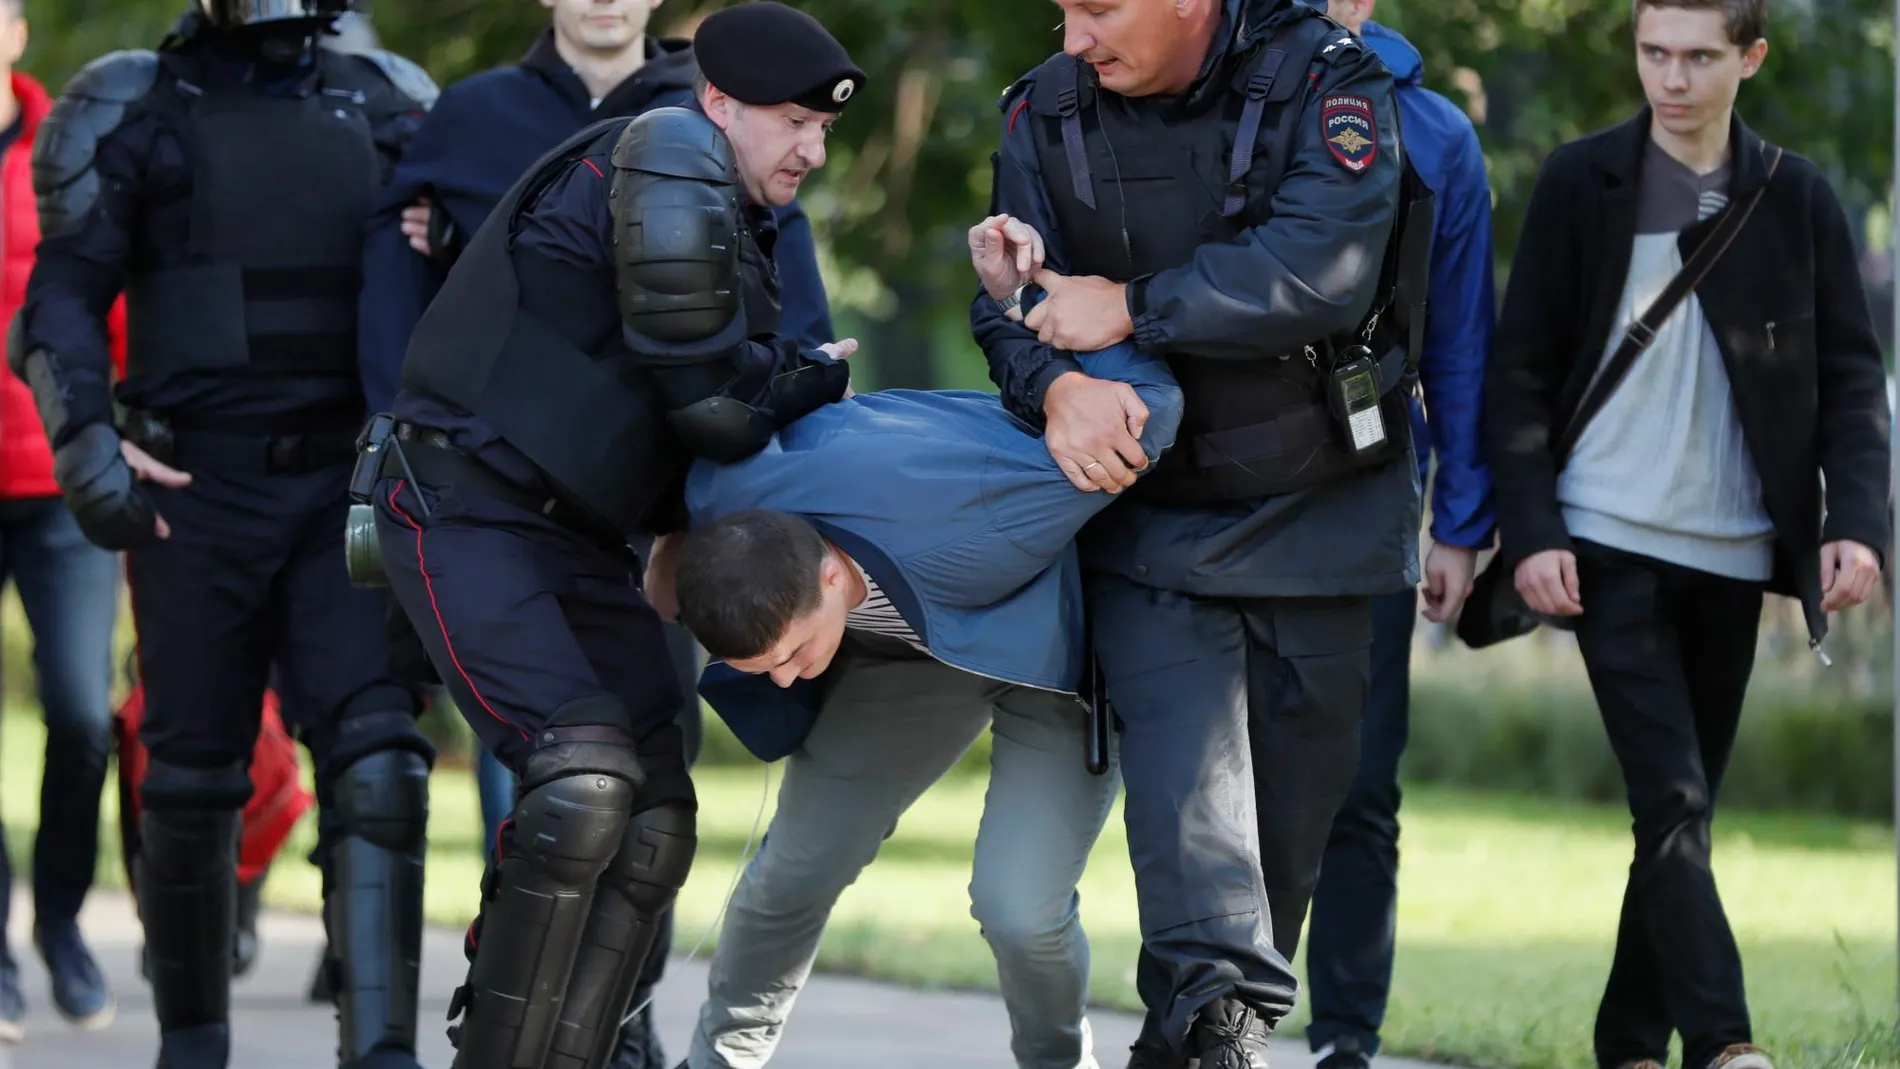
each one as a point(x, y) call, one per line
point(1815, 645)
point(1771, 335)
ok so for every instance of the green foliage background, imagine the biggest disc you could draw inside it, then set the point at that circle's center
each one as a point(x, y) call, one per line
point(909, 167)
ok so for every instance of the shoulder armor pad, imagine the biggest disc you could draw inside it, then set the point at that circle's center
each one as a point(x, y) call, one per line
point(92, 105)
point(678, 206)
point(678, 143)
point(404, 74)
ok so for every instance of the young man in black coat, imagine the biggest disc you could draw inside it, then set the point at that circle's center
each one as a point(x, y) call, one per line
point(1698, 484)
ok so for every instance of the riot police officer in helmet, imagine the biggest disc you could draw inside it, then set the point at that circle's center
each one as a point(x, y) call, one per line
point(615, 317)
point(1219, 182)
point(221, 182)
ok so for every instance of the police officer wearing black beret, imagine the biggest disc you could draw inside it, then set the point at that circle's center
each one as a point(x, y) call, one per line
point(1220, 182)
point(614, 318)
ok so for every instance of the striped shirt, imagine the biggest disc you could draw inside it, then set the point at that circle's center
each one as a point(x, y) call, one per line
point(878, 616)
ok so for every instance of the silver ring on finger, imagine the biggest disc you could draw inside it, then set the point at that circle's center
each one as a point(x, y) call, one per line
point(1092, 464)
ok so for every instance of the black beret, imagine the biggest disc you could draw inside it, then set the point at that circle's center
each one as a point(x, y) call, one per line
point(766, 53)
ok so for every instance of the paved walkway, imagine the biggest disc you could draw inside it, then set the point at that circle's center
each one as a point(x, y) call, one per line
point(840, 1024)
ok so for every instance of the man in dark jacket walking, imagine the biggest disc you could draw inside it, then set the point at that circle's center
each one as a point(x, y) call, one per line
point(1697, 485)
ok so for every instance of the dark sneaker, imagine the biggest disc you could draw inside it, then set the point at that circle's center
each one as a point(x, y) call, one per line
point(1150, 1051)
point(80, 991)
point(1346, 1052)
point(12, 1005)
point(1229, 1034)
point(195, 1048)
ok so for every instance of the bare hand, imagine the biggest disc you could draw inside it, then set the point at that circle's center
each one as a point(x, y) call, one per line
point(1006, 253)
point(1093, 431)
point(1849, 571)
point(1449, 572)
point(1080, 314)
point(148, 470)
point(1548, 583)
point(662, 565)
point(839, 350)
point(415, 226)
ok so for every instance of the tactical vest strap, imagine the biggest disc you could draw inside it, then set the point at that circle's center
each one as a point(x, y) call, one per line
point(1069, 107)
point(1259, 84)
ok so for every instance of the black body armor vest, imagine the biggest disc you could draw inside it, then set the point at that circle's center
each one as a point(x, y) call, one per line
point(1133, 194)
point(590, 414)
point(281, 189)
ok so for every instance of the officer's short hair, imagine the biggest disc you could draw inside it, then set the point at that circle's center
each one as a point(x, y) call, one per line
point(744, 578)
point(700, 85)
point(1745, 20)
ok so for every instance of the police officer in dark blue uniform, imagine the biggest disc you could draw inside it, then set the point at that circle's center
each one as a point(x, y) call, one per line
point(1218, 181)
point(222, 183)
point(614, 317)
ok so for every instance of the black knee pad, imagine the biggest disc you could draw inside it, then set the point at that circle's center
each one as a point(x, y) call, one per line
point(374, 904)
point(655, 856)
point(379, 717)
point(186, 880)
point(173, 786)
point(565, 832)
point(587, 735)
point(384, 798)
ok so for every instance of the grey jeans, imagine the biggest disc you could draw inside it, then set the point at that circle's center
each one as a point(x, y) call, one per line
point(892, 725)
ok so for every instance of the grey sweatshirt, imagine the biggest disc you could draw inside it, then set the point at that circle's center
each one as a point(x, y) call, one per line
point(1662, 470)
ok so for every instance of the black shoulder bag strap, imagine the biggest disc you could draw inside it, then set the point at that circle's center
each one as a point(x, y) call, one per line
point(1642, 332)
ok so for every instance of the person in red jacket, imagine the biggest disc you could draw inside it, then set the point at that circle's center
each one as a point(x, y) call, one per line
point(69, 589)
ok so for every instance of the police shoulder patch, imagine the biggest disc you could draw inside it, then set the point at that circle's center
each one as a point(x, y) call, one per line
point(1351, 132)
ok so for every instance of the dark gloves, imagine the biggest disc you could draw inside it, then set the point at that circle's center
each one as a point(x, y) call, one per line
point(113, 510)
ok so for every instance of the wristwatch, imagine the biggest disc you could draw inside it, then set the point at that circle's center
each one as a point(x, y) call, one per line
point(1014, 300)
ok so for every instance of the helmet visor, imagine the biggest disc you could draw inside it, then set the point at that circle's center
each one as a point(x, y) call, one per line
point(254, 12)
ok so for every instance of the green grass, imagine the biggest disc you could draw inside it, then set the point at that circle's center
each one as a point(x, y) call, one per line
point(1506, 912)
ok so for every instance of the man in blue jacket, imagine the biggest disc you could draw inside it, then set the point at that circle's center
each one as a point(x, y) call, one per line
point(892, 574)
point(594, 61)
point(1349, 964)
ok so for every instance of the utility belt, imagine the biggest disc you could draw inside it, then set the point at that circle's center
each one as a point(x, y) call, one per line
point(194, 449)
point(1343, 413)
point(425, 456)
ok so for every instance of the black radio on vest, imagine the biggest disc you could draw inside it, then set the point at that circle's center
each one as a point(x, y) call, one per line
point(1134, 193)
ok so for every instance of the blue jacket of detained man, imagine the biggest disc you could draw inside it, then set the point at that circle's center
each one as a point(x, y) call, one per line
point(1444, 149)
point(955, 508)
point(485, 132)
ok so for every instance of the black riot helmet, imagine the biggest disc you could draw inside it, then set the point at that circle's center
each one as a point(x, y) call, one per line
point(231, 14)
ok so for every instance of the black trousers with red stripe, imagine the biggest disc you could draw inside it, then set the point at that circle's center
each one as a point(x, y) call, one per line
point(523, 616)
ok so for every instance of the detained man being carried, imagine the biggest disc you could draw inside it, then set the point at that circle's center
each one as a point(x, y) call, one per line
point(890, 575)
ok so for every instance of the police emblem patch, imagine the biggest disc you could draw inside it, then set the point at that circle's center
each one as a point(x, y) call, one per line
point(1351, 133)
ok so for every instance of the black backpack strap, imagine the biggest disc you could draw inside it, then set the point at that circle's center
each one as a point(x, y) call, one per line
point(1259, 84)
point(1069, 108)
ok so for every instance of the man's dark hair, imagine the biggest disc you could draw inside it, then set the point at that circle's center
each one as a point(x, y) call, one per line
point(744, 578)
point(1745, 20)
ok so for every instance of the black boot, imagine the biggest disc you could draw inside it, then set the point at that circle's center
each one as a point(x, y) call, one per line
point(188, 902)
point(639, 1044)
point(249, 901)
point(1229, 1034)
point(1151, 1051)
